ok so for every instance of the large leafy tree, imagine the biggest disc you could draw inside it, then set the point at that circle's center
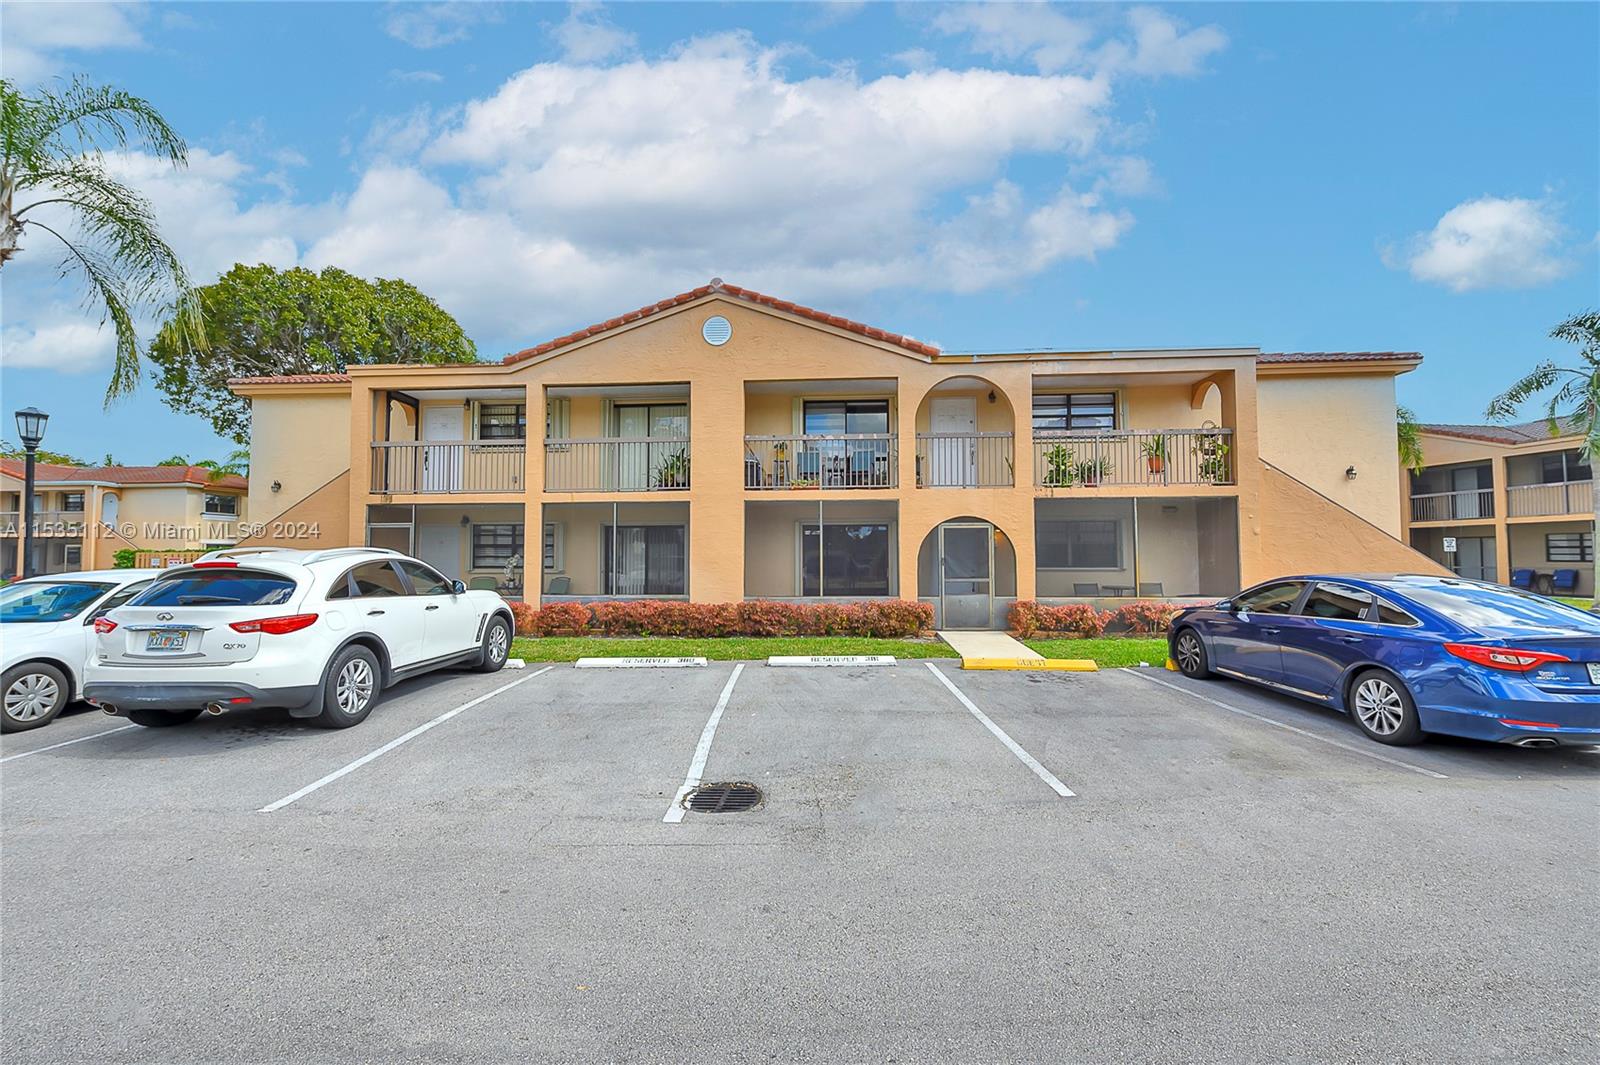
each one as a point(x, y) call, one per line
point(263, 321)
point(236, 464)
point(55, 183)
point(1571, 393)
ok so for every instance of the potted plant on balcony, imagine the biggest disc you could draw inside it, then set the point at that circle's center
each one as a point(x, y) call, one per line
point(803, 482)
point(1155, 453)
point(674, 470)
point(1211, 449)
point(1058, 467)
point(1090, 472)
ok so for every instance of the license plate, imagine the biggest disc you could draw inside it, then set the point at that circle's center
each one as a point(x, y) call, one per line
point(1594, 673)
point(166, 641)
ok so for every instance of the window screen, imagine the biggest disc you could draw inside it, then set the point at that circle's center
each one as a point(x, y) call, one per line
point(1082, 544)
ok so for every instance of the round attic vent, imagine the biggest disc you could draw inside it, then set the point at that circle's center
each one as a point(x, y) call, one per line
point(717, 330)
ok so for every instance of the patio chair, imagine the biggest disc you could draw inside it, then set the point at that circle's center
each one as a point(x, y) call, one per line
point(1522, 578)
point(559, 586)
point(1564, 582)
point(1085, 589)
point(483, 584)
point(1150, 588)
point(752, 470)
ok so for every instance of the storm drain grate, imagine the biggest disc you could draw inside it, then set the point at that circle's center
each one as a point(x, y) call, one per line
point(723, 798)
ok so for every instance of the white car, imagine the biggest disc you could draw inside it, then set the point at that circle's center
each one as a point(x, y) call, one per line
point(318, 633)
point(46, 632)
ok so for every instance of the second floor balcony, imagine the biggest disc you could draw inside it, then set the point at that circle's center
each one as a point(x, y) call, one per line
point(1549, 500)
point(617, 464)
point(819, 460)
point(475, 467)
point(1466, 505)
point(1128, 457)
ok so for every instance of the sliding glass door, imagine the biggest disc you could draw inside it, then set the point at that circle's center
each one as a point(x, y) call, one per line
point(645, 560)
point(851, 560)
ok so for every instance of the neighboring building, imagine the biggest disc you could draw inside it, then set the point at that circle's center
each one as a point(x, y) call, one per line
point(723, 445)
point(1513, 497)
point(84, 515)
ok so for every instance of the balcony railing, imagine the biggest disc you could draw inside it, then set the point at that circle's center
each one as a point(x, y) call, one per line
point(617, 464)
point(1453, 506)
point(964, 460)
point(45, 522)
point(1132, 457)
point(468, 467)
point(854, 460)
point(1539, 500)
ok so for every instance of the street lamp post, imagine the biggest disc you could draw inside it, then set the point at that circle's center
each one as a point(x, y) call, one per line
point(30, 427)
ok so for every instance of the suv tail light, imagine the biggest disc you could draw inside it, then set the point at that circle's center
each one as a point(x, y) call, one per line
point(274, 626)
point(104, 625)
point(1508, 658)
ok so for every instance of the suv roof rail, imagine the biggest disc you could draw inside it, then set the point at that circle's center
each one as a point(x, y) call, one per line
point(337, 552)
point(234, 552)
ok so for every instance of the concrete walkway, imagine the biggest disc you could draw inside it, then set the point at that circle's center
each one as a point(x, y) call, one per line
point(982, 644)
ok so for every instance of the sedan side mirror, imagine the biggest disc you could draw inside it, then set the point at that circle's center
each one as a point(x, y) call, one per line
point(458, 588)
point(1226, 606)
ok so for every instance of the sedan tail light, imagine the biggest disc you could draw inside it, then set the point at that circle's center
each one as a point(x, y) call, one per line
point(1513, 659)
point(274, 626)
point(104, 625)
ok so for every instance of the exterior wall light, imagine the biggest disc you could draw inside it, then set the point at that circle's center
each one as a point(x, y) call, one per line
point(1350, 473)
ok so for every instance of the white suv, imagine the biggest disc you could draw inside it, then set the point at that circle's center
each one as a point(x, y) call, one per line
point(319, 633)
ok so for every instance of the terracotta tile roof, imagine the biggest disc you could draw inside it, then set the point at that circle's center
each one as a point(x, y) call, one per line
point(292, 379)
point(49, 471)
point(1516, 433)
point(1338, 356)
point(720, 287)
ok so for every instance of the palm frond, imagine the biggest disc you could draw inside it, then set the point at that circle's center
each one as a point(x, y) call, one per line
point(1504, 406)
point(106, 288)
point(1408, 434)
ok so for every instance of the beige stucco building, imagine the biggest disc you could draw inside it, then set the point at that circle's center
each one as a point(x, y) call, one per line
point(84, 515)
point(1511, 498)
point(723, 445)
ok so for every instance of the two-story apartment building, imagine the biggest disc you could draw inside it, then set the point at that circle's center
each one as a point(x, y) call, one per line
point(84, 515)
point(724, 444)
point(1511, 497)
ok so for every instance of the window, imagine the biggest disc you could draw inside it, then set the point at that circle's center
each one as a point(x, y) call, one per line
point(1080, 544)
point(495, 545)
point(370, 580)
point(553, 537)
point(112, 602)
point(835, 417)
point(645, 560)
point(217, 587)
point(217, 503)
point(1479, 606)
point(502, 421)
point(45, 601)
point(1562, 466)
point(1393, 615)
point(1569, 547)
point(1079, 410)
point(425, 580)
point(854, 560)
point(1273, 599)
point(72, 554)
point(1336, 602)
point(72, 502)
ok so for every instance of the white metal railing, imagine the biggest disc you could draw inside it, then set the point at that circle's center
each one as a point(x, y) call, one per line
point(425, 467)
point(851, 460)
point(45, 522)
point(1539, 500)
point(1132, 457)
point(964, 460)
point(1453, 506)
point(617, 464)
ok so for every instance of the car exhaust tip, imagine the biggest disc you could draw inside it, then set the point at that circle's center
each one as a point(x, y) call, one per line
point(110, 709)
point(213, 708)
point(1536, 741)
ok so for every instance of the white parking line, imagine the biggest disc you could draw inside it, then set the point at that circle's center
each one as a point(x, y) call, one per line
point(1288, 728)
point(697, 766)
point(1000, 734)
point(67, 743)
point(392, 744)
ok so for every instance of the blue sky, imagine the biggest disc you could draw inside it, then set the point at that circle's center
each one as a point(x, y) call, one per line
point(1293, 176)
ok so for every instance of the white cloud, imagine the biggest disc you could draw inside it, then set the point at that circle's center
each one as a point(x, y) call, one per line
point(435, 25)
point(587, 36)
point(1491, 242)
point(37, 34)
point(59, 337)
point(431, 77)
point(1052, 41)
point(916, 59)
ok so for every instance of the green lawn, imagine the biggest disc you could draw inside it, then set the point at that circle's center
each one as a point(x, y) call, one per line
point(1108, 651)
point(1581, 604)
point(567, 649)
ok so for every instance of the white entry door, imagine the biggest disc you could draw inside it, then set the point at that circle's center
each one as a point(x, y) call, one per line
point(441, 449)
point(953, 459)
point(440, 547)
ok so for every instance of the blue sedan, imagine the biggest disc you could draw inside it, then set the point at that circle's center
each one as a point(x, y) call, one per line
point(1408, 655)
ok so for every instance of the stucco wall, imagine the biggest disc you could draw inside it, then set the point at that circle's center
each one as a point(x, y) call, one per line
point(1301, 531)
point(321, 519)
point(300, 441)
point(1316, 426)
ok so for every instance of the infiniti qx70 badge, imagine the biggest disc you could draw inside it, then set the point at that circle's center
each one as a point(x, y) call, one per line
point(163, 616)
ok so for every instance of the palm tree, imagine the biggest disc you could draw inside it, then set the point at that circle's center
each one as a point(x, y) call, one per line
point(1408, 434)
point(237, 464)
point(52, 156)
point(1573, 400)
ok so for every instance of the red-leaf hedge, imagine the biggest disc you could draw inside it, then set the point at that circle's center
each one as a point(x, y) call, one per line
point(1142, 618)
point(1148, 617)
point(889, 618)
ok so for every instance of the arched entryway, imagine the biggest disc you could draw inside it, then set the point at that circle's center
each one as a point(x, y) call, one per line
point(965, 434)
point(968, 567)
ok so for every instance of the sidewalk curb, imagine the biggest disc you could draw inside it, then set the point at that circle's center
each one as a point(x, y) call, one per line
point(1064, 665)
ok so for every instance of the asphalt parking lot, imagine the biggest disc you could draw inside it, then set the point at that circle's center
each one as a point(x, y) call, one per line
point(1230, 876)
